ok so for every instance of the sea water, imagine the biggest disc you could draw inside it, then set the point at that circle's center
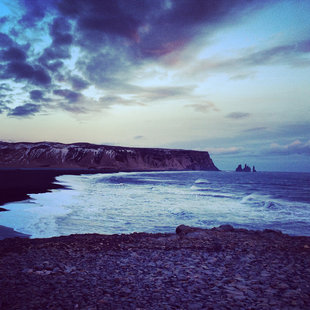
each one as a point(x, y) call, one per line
point(160, 201)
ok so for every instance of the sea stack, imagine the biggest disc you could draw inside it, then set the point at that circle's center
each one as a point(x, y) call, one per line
point(245, 169)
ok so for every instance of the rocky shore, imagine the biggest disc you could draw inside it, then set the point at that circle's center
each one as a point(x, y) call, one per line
point(220, 268)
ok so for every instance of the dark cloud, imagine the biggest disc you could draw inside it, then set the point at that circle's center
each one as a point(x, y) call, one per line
point(36, 95)
point(184, 20)
point(5, 40)
point(101, 16)
point(238, 115)
point(54, 53)
point(22, 71)
point(13, 54)
point(52, 56)
point(36, 10)
point(25, 110)
point(154, 28)
point(60, 31)
point(3, 20)
point(69, 95)
point(105, 68)
point(78, 83)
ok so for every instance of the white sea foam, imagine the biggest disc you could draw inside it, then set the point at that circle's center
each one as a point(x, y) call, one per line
point(202, 181)
point(153, 202)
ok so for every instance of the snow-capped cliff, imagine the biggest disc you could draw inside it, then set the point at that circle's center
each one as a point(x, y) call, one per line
point(92, 156)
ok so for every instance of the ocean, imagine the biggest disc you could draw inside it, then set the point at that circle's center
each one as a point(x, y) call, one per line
point(160, 201)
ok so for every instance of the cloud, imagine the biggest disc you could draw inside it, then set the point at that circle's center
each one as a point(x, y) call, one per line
point(225, 150)
point(60, 31)
point(294, 54)
point(22, 71)
point(3, 107)
point(109, 101)
point(13, 54)
point(279, 54)
point(241, 76)
point(5, 40)
point(78, 83)
point(138, 137)
point(25, 110)
point(69, 95)
point(203, 107)
point(36, 10)
point(296, 147)
point(150, 94)
point(237, 115)
point(113, 40)
point(255, 129)
point(38, 96)
point(5, 87)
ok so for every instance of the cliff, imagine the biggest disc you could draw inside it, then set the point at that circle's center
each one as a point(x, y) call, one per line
point(100, 157)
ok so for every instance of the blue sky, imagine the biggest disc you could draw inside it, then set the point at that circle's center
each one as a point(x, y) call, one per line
point(229, 77)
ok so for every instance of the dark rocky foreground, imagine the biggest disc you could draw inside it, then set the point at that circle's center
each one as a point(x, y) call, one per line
point(223, 268)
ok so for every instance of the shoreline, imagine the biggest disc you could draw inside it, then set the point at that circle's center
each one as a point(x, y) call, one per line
point(17, 183)
point(8, 232)
point(194, 268)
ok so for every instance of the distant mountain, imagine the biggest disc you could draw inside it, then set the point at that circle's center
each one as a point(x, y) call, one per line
point(100, 157)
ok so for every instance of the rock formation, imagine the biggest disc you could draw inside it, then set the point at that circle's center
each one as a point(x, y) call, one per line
point(245, 169)
point(100, 157)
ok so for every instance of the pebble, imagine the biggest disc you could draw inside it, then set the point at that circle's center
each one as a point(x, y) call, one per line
point(221, 268)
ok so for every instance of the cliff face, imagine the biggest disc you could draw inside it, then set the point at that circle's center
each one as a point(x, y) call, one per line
point(91, 156)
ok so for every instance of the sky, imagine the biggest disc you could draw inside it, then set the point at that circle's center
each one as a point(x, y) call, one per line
point(231, 77)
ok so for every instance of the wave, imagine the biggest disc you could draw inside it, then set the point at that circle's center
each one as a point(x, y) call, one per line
point(263, 201)
point(202, 181)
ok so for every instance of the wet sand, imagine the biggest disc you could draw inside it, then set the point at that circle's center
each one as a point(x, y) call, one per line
point(7, 232)
point(16, 184)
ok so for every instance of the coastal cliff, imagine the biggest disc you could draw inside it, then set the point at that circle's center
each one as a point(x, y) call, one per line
point(100, 157)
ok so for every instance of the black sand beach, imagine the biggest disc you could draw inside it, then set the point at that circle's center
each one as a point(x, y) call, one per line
point(16, 184)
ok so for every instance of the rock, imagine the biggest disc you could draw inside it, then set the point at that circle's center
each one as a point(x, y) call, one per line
point(135, 272)
point(279, 232)
point(183, 229)
point(245, 169)
point(239, 168)
point(225, 227)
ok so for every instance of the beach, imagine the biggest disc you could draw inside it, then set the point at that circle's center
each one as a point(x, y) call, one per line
point(193, 268)
point(220, 268)
point(16, 184)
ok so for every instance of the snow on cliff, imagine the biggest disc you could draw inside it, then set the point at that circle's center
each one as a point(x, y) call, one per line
point(92, 156)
